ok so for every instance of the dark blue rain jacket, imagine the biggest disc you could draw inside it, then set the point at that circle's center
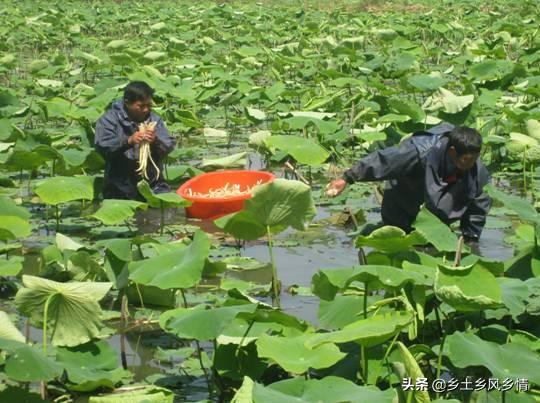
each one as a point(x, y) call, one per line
point(121, 159)
point(419, 171)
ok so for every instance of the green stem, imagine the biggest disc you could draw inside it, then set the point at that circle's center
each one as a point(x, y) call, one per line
point(275, 284)
point(57, 213)
point(162, 216)
point(45, 316)
point(183, 297)
point(363, 349)
point(439, 359)
point(140, 295)
point(386, 355)
point(524, 172)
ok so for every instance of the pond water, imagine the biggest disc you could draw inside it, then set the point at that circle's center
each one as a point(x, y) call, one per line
point(297, 260)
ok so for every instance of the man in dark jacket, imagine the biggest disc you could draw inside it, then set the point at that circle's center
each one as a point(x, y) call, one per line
point(439, 167)
point(118, 139)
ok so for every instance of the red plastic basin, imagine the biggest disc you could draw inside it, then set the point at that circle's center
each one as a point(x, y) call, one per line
point(206, 208)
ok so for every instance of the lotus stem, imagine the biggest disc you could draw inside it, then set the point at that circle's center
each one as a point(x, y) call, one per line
point(298, 174)
point(140, 295)
point(162, 217)
point(459, 250)
point(45, 315)
point(439, 359)
point(363, 348)
point(275, 284)
point(123, 310)
point(57, 214)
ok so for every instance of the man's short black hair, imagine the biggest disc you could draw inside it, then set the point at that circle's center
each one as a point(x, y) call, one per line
point(465, 140)
point(137, 91)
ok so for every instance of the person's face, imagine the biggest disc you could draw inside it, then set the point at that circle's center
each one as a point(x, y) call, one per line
point(462, 162)
point(139, 110)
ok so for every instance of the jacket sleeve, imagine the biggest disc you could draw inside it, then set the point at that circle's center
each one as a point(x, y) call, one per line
point(473, 221)
point(389, 163)
point(164, 143)
point(109, 143)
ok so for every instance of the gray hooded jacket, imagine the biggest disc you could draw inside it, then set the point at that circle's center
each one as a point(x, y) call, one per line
point(418, 172)
point(121, 159)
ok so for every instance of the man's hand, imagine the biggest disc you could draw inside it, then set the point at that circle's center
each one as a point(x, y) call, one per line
point(335, 187)
point(136, 138)
point(148, 135)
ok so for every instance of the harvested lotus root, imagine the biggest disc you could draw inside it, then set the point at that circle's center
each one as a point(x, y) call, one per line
point(145, 154)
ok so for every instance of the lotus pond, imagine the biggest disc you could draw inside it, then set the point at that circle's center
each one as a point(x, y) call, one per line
point(298, 297)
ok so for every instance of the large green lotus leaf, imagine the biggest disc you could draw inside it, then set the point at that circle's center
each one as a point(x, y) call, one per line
point(62, 189)
point(424, 82)
point(453, 103)
point(91, 366)
point(533, 128)
point(26, 363)
point(9, 208)
point(17, 394)
point(165, 200)
point(13, 227)
point(242, 225)
point(291, 354)
point(523, 140)
point(409, 108)
point(13, 220)
point(379, 276)
point(308, 114)
point(435, 231)
point(179, 268)
point(339, 312)
point(231, 161)
point(512, 360)
point(255, 115)
point(136, 394)
point(59, 108)
point(367, 332)
point(469, 288)
point(11, 266)
point(521, 207)
point(63, 243)
point(390, 239)
point(327, 282)
point(73, 314)
point(114, 212)
point(488, 70)
point(154, 55)
point(242, 332)
point(515, 294)
point(201, 322)
point(426, 273)
point(303, 150)
point(117, 44)
point(8, 329)
point(330, 389)
point(413, 371)
point(277, 205)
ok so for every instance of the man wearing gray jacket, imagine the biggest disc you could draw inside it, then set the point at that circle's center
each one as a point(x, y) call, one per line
point(118, 139)
point(439, 168)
